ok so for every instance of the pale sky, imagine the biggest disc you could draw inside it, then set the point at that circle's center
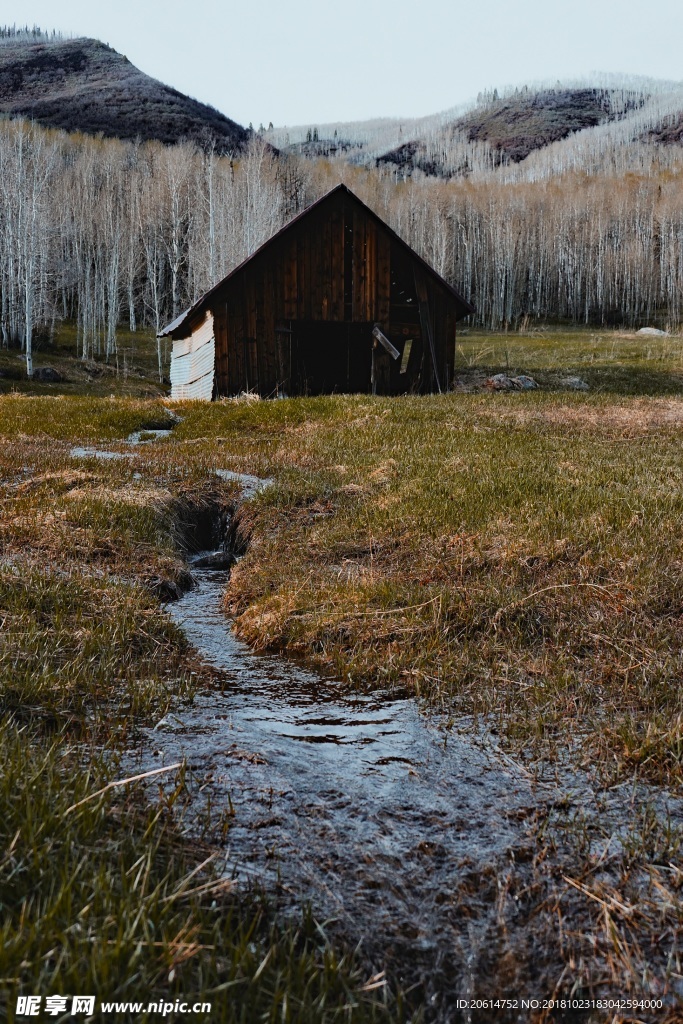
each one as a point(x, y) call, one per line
point(301, 61)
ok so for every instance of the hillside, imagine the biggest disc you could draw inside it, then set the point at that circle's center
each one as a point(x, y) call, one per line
point(84, 85)
point(508, 133)
point(526, 121)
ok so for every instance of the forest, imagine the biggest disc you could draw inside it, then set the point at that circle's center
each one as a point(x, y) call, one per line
point(101, 232)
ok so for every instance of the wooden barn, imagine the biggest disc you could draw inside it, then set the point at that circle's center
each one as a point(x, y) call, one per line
point(335, 301)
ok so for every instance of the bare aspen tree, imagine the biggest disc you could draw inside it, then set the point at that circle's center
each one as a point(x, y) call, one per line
point(95, 231)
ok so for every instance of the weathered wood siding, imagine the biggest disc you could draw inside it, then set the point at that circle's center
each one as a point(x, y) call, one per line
point(298, 316)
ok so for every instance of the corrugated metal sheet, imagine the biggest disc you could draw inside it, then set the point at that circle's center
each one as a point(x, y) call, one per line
point(193, 363)
point(201, 336)
point(202, 388)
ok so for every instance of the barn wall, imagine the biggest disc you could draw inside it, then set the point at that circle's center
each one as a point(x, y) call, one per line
point(335, 266)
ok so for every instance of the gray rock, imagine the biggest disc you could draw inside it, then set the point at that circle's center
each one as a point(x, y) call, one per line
point(524, 382)
point(213, 560)
point(574, 384)
point(500, 382)
point(653, 332)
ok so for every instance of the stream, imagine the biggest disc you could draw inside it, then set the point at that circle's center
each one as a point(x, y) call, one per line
point(401, 836)
point(416, 843)
point(389, 828)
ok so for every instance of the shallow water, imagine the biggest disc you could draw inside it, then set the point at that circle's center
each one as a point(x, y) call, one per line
point(97, 453)
point(250, 485)
point(352, 802)
point(134, 439)
point(147, 436)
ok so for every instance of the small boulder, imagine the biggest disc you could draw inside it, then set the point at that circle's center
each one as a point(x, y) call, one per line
point(574, 384)
point(213, 560)
point(47, 374)
point(500, 382)
point(525, 383)
point(653, 332)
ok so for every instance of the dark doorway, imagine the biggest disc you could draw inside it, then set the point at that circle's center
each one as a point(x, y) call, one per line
point(328, 357)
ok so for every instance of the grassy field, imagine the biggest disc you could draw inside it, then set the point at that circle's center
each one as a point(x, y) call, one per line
point(99, 890)
point(610, 361)
point(516, 560)
point(133, 371)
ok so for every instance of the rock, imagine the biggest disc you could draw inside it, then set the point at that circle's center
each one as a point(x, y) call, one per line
point(653, 332)
point(574, 384)
point(47, 374)
point(171, 589)
point(524, 382)
point(500, 382)
point(213, 560)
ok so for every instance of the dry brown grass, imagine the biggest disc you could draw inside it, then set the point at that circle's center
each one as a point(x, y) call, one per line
point(637, 418)
point(99, 887)
point(491, 553)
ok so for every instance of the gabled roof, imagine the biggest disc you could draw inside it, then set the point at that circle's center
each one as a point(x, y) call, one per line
point(196, 307)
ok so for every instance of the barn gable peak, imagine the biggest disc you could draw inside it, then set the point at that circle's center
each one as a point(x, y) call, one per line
point(178, 327)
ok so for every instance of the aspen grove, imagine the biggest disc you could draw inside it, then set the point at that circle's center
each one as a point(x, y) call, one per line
point(103, 232)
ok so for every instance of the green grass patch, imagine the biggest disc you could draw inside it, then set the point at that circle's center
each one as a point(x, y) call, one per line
point(99, 896)
point(613, 361)
point(131, 371)
point(514, 557)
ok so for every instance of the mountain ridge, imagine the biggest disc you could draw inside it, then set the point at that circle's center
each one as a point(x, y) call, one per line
point(503, 132)
point(85, 85)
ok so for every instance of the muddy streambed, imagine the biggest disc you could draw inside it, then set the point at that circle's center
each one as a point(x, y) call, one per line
point(397, 834)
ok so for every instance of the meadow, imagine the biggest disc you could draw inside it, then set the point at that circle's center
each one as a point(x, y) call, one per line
point(513, 560)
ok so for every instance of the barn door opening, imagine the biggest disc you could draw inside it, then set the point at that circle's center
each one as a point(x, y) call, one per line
point(331, 357)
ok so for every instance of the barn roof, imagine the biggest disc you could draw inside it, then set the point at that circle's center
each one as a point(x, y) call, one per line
point(198, 306)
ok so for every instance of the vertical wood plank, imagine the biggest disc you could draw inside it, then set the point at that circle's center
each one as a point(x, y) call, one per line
point(324, 270)
point(358, 300)
point(426, 325)
point(383, 277)
point(337, 264)
point(370, 270)
point(300, 276)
